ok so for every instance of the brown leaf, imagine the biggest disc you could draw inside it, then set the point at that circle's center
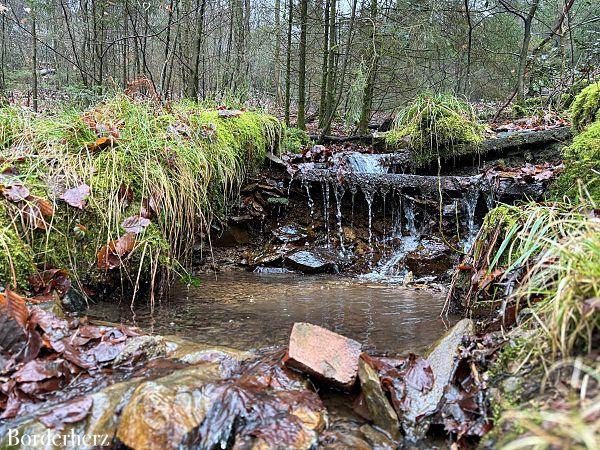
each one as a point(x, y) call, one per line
point(15, 307)
point(77, 197)
point(16, 193)
point(101, 143)
point(111, 255)
point(419, 374)
point(125, 195)
point(45, 207)
point(135, 224)
point(71, 412)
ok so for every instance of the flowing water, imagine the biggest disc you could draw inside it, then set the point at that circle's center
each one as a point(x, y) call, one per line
point(249, 311)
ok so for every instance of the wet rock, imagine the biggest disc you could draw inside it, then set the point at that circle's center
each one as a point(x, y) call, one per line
point(443, 361)
point(377, 439)
point(162, 412)
point(193, 353)
point(324, 354)
point(312, 261)
point(291, 233)
point(141, 347)
point(271, 270)
point(232, 236)
point(432, 257)
point(102, 421)
point(335, 440)
point(270, 255)
point(381, 411)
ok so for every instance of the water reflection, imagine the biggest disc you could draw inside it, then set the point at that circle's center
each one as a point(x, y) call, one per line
point(249, 310)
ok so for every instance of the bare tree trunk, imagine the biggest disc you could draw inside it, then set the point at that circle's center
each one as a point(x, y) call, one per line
point(300, 122)
point(467, 84)
point(367, 108)
point(288, 63)
point(2, 54)
point(527, 21)
point(34, 61)
point(323, 100)
point(278, 93)
point(331, 58)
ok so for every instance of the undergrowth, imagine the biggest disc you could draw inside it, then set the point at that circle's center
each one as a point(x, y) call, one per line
point(436, 126)
point(177, 164)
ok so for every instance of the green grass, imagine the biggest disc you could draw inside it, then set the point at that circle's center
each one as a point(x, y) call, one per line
point(181, 158)
point(436, 126)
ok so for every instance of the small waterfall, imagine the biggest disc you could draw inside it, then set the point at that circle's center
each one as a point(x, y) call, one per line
point(369, 195)
point(311, 203)
point(339, 194)
point(409, 212)
point(365, 163)
point(325, 189)
point(469, 203)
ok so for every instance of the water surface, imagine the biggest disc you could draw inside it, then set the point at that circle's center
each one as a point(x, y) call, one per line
point(250, 310)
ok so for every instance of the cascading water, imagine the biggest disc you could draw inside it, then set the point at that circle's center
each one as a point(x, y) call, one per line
point(365, 163)
point(369, 195)
point(325, 189)
point(392, 269)
point(339, 194)
point(469, 204)
point(311, 204)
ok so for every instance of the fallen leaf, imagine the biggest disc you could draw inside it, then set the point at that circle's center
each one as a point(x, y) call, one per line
point(77, 197)
point(419, 374)
point(16, 193)
point(71, 412)
point(110, 255)
point(135, 224)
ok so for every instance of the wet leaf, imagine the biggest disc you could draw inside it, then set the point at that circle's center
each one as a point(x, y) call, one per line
point(77, 197)
point(71, 412)
point(135, 224)
point(111, 255)
point(42, 283)
point(419, 374)
point(38, 370)
point(44, 206)
point(16, 193)
point(15, 307)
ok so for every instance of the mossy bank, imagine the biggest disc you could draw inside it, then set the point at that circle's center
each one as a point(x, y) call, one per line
point(122, 190)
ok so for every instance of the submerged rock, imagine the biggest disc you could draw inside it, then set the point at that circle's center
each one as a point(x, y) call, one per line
point(381, 411)
point(312, 261)
point(324, 354)
point(443, 361)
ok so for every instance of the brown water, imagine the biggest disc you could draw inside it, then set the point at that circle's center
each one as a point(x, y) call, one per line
point(251, 311)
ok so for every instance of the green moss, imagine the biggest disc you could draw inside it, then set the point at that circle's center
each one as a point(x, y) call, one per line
point(16, 257)
point(436, 126)
point(586, 107)
point(295, 140)
point(581, 177)
point(181, 161)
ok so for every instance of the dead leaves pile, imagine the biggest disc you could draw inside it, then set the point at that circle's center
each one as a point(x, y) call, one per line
point(41, 354)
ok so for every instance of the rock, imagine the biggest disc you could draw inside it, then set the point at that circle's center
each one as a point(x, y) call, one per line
point(162, 412)
point(101, 422)
point(291, 233)
point(377, 439)
point(194, 353)
point(324, 354)
point(146, 347)
point(380, 409)
point(443, 361)
point(312, 261)
point(335, 440)
point(232, 236)
point(432, 257)
point(270, 255)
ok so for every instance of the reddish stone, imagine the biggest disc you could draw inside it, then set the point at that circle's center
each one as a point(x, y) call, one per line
point(323, 354)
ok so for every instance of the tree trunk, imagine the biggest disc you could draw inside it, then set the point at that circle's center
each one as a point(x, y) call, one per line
point(300, 123)
point(323, 100)
point(367, 108)
point(34, 62)
point(527, 21)
point(288, 63)
point(331, 58)
point(278, 53)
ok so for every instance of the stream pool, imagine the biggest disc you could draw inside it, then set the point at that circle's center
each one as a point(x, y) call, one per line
point(250, 311)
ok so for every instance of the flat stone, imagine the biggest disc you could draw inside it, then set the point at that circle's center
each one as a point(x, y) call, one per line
point(432, 257)
point(326, 355)
point(382, 412)
point(443, 361)
point(311, 261)
point(290, 233)
point(377, 439)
